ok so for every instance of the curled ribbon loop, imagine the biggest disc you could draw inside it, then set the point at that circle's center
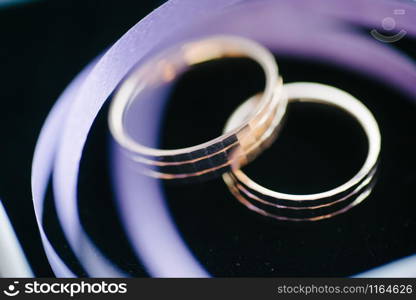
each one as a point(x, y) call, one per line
point(275, 24)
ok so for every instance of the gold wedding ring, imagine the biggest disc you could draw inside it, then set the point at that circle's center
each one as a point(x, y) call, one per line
point(250, 129)
point(318, 206)
point(236, 147)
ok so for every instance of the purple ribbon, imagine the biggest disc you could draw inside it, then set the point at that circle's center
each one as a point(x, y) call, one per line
point(313, 29)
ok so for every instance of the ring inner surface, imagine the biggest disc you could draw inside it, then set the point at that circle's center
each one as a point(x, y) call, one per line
point(196, 103)
point(319, 148)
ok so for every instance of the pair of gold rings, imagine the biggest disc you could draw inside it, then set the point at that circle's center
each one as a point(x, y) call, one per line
point(252, 127)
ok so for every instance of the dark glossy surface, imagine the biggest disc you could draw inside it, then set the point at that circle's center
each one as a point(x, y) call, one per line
point(44, 45)
point(319, 148)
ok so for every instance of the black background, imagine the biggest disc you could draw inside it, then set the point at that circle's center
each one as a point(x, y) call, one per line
point(44, 45)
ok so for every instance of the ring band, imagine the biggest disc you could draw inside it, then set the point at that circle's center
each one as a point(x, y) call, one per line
point(239, 145)
point(318, 206)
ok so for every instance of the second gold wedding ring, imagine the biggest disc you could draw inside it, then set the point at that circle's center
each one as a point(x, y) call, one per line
point(311, 207)
point(213, 158)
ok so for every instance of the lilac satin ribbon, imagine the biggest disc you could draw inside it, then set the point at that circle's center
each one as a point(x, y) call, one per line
point(284, 26)
point(13, 262)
